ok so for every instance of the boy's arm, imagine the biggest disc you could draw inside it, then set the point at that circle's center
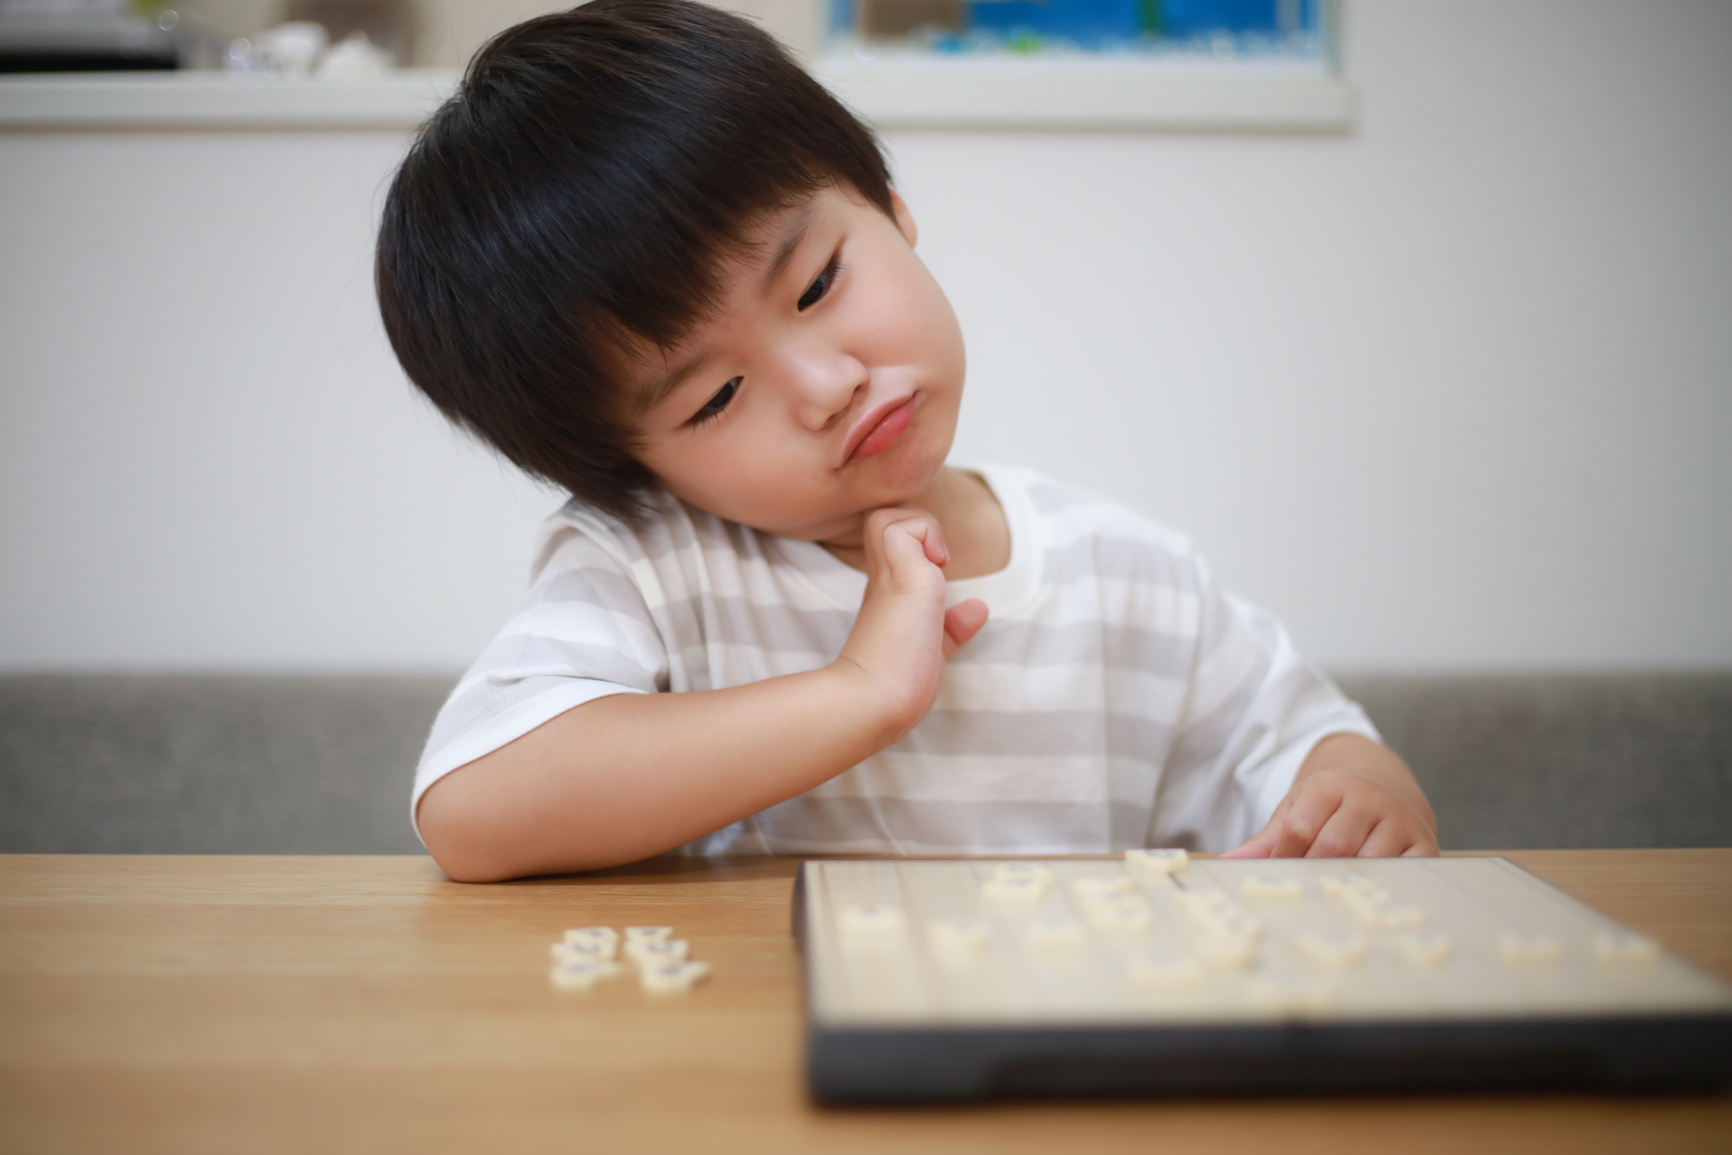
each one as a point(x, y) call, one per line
point(627, 776)
point(1351, 797)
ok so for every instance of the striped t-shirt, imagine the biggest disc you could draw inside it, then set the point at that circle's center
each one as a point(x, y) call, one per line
point(1116, 697)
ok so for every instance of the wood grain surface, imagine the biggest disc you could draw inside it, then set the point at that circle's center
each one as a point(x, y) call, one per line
point(259, 1004)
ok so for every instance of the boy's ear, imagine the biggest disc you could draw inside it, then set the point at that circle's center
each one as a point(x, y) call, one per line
point(904, 218)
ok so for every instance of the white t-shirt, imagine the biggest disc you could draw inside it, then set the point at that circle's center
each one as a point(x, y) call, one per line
point(1115, 698)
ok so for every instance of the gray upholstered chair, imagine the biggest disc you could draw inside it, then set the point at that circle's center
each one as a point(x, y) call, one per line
point(311, 764)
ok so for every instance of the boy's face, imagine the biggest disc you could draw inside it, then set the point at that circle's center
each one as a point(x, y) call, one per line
point(825, 386)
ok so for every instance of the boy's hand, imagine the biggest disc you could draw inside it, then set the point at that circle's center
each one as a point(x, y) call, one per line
point(904, 635)
point(1351, 798)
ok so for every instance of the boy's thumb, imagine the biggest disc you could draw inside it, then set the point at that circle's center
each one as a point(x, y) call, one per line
point(961, 622)
point(1260, 844)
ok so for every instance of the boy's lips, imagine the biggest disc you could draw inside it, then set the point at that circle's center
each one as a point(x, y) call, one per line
point(878, 430)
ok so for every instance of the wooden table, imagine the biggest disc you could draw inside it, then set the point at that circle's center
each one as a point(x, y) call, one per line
point(369, 1004)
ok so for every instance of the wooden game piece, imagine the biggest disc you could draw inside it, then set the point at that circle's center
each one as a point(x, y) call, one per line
point(582, 976)
point(658, 950)
point(1529, 951)
point(1424, 951)
point(1625, 952)
point(1339, 951)
point(1272, 886)
point(672, 977)
point(582, 952)
point(1159, 861)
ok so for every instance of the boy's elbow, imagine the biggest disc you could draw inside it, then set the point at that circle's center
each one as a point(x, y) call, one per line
point(477, 835)
point(461, 838)
point(461, 858)
point(473, 868)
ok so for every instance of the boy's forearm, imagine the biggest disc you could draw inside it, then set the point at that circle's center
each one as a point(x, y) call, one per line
point(627, 776)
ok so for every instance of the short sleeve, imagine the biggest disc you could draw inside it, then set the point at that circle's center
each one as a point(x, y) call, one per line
point(1253, 712)
point(585, 632)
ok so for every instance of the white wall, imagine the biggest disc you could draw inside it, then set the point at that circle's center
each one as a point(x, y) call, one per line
point(1453, 391)
point(207, 454)
point(449, 31)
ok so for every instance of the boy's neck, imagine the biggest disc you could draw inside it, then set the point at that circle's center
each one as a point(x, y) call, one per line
point(976, 530)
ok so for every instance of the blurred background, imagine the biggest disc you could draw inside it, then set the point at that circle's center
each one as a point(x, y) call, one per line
point(1429, 347)
point(1451, 389)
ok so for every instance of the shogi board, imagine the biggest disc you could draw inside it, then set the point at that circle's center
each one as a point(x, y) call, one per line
point(965, 979)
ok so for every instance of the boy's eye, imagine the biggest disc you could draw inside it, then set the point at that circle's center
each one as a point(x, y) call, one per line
point(713, 407)
point(819, 287)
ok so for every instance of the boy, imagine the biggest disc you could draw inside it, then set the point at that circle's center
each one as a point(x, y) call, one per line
point(646, 257)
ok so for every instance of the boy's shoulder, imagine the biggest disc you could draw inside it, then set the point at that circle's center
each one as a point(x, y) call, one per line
point(665, 530)
point(579, 528)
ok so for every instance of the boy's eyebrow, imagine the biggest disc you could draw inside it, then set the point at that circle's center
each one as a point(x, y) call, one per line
point(789, 244)
point(795, 233)
point(662, 387)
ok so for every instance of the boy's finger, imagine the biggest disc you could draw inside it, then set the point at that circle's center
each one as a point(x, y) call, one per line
point(1343, 834)
point(1310, 812)
point(1262, 843)
point(880, 526)
point(1259, 845)
point(961, 622)
point(905, 544)
point(1386, 840)
point(884, 526)
point(937, 552)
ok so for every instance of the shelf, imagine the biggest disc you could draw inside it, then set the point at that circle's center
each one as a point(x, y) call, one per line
point(1084, 93)
point(215, 100)
point(891, 93)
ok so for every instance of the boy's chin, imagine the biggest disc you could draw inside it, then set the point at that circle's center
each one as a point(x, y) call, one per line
point(902, 477)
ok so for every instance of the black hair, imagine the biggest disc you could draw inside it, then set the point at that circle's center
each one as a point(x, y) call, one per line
point(578, 198)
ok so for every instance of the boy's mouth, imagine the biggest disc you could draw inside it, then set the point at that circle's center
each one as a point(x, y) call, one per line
point(879, 429)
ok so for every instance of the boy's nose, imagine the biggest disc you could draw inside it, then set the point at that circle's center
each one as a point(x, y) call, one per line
point(825, 383)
